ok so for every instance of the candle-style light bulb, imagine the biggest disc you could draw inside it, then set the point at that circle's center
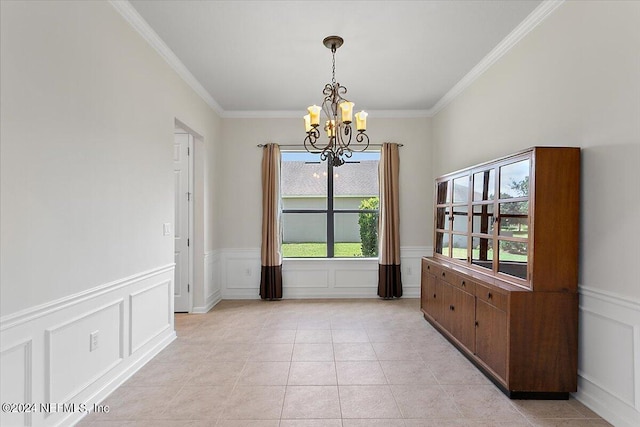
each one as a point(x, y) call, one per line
point(346, 108)
point(314, 115)
point(307, 123)
point(361, 121)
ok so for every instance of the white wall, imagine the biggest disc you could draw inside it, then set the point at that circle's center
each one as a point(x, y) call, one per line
point(241, 198)
point(575, 81)
point(87, 112)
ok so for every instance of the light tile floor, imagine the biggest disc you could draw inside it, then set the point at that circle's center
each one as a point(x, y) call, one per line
point(296, 363)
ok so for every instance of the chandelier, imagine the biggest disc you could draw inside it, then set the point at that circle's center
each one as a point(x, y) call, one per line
point(339, 116)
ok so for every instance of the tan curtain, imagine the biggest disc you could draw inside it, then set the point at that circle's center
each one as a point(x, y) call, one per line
point(389, 280)
point(271, 255)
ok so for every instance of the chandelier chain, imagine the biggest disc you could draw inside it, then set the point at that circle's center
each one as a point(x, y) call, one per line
point(333, 70)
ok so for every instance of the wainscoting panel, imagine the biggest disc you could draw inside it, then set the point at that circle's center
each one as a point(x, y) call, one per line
point(241, 269)
point(151, 314)
point(316, 278)
point(15, 365)
point(46, 355)
point(609, 356)
point(71, 364)
point(212, 282)
point(305, 278)
point(411, 262)
point(358, 277)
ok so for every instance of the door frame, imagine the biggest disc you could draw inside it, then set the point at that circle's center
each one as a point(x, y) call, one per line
point(181, 129)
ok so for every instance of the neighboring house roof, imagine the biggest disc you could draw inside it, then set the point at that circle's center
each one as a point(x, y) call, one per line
point(309, 179)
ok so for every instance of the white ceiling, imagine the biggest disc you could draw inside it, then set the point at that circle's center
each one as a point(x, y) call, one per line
point(265, 56)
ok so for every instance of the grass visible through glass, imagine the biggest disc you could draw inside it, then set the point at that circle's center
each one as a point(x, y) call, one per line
point(319, 250)
point(461, 253)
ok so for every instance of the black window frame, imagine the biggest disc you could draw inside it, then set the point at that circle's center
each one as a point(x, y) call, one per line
point(330, 211)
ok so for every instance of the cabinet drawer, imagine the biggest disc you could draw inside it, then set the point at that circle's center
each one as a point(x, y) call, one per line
point(431, 269)
point(466, 285)
point(448, 276)
point(491, 296)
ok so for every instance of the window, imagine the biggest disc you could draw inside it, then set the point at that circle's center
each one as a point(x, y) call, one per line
point(329, 212)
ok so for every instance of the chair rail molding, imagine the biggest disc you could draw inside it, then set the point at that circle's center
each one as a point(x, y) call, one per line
point(32, 313)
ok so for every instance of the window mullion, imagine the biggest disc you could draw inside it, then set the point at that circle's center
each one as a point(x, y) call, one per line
point(330, 217)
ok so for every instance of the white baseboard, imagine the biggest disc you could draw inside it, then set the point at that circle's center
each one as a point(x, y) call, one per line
point(213, 299)
point(609, 366)
point(133, 320)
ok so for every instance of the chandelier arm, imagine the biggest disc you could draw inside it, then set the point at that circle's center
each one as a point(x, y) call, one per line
point(345, 131)
point(340, 90)
point(328, 90)
point(311, 138)
point(360, 137)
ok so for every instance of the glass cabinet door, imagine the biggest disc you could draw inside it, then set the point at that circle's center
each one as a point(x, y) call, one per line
point(452, 217)
point(514, 180)
point(512, 226)
point(460, 218)
point(482, 252)
point(461, 189)
point(484, 185)
point(483, 218)
point(443, 192)
point(443, 219)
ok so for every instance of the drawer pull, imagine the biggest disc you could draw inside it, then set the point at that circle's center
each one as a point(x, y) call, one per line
point(443, 274)
point(428, 267)
point(476, 323)
point(434, 295)
point(463, 284)
point(452, 308)
point(489, 295)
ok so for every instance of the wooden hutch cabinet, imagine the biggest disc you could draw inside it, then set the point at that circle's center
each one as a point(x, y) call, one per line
point(502, 284)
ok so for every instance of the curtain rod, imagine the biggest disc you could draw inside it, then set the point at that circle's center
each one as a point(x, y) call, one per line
point(302, 145)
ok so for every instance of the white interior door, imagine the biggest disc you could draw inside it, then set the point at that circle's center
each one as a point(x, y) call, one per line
point(181, 165)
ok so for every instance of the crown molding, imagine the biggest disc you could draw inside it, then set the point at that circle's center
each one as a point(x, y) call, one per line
point(131, 15)
point(266, 114)
point(538, 15)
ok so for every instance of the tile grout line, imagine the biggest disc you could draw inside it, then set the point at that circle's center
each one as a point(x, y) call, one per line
point(335, 367)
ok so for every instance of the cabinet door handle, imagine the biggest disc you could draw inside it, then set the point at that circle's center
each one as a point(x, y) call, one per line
point(463, 284)
point(428, 267)
point(452, 308)
point(489, 295)
point(434, 295)
point(476, 323)
point(443, 274)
